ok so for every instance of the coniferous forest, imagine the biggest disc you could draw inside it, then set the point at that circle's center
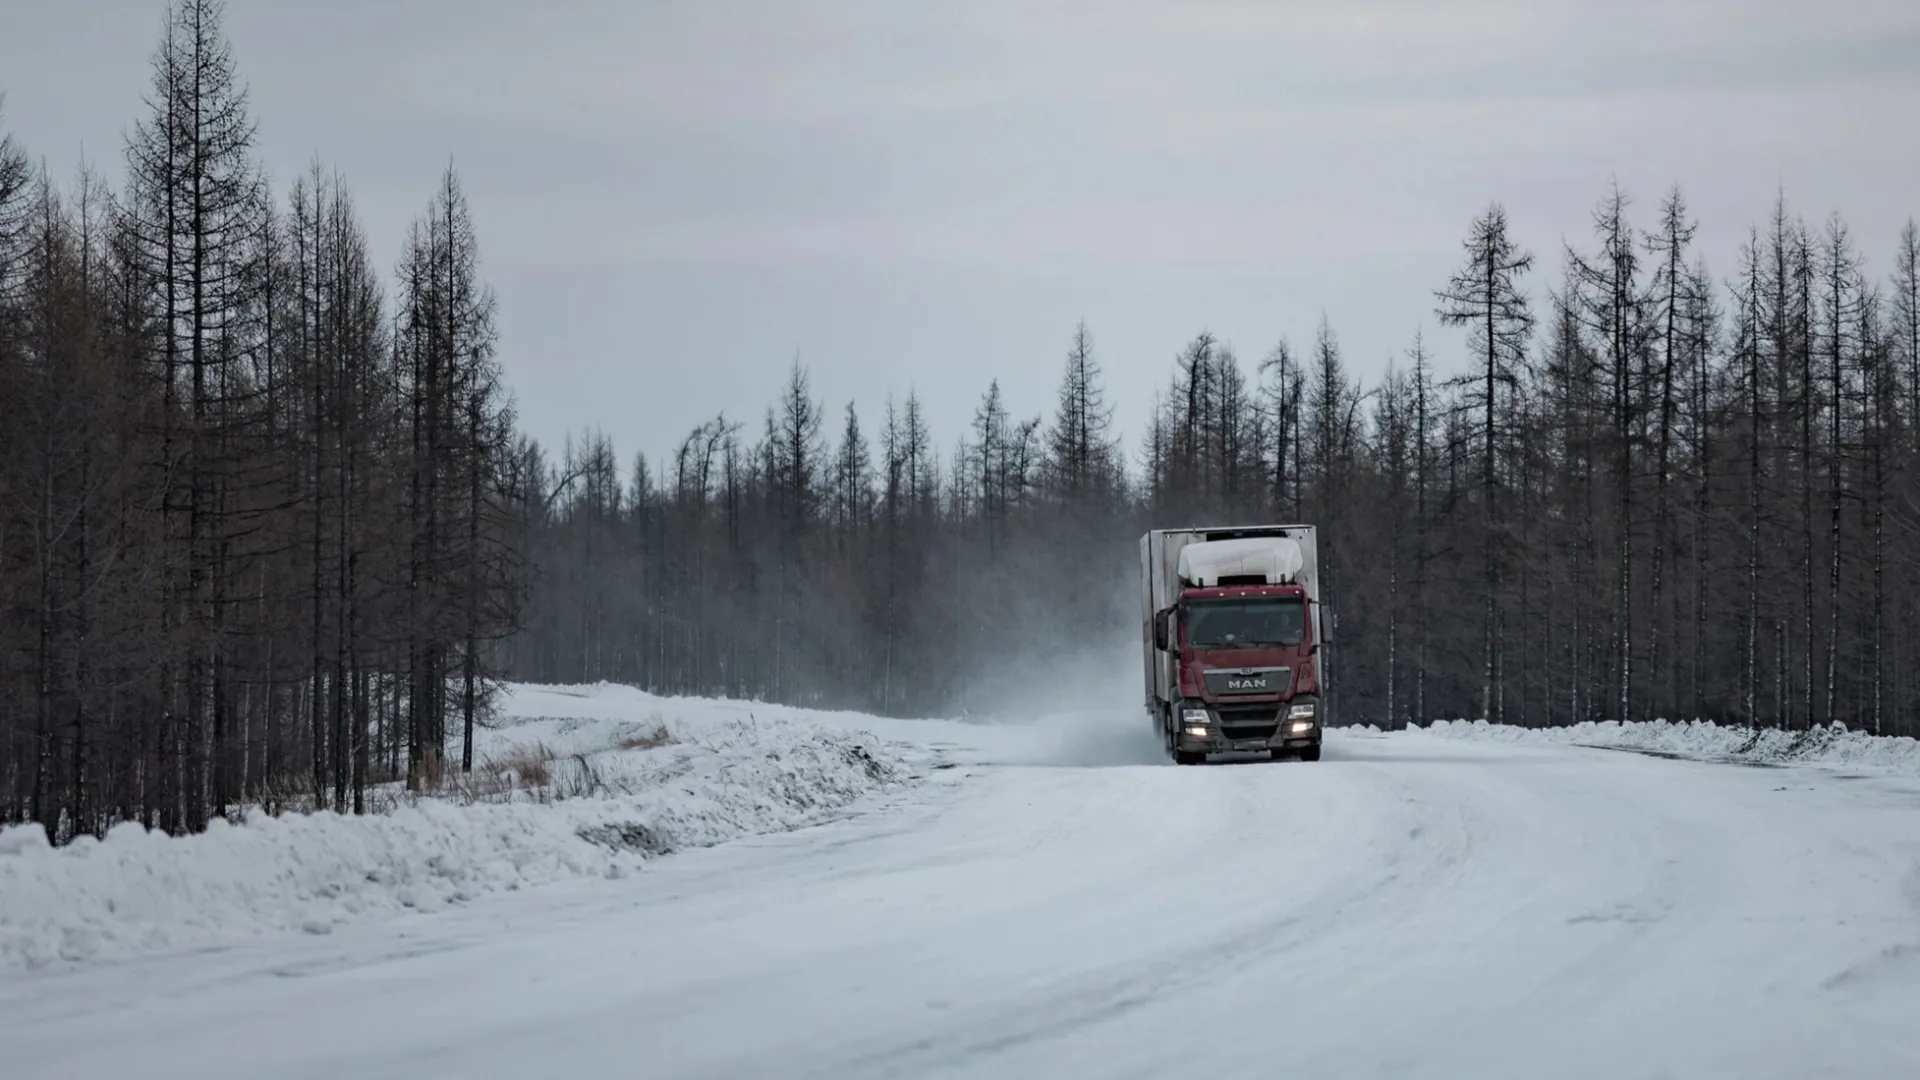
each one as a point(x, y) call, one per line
point(1649, 490)
point(254, 537)
point(269, 533)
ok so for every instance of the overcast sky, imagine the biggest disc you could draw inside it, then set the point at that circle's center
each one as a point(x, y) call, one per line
point(676, 198)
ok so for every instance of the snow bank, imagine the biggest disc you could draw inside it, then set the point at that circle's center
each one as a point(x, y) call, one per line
point(1827, 746)
point(625, 777)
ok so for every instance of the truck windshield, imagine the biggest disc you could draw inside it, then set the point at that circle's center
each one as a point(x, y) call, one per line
point(1216, 624)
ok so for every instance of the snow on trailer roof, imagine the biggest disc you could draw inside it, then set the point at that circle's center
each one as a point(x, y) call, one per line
point(1275, 559)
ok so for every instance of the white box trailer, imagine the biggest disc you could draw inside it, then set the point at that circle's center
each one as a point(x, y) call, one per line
point(1233, 636)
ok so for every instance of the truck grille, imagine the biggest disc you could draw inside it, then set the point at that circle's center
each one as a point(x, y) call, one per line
point(1242, 723)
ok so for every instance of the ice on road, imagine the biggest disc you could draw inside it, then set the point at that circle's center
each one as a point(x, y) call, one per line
point(1411, 906)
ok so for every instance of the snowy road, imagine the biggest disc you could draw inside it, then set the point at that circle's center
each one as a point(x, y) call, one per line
point(1411, 906)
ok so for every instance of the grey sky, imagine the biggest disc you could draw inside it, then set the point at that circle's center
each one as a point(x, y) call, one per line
point(674, 198)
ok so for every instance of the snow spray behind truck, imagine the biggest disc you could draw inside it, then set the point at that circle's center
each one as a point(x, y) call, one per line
point(1233, 631)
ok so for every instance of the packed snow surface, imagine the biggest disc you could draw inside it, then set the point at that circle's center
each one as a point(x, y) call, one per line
point(1461, 901)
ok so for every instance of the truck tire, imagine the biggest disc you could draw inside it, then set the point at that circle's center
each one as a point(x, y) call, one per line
point(1310, 753)
point(1190, 757)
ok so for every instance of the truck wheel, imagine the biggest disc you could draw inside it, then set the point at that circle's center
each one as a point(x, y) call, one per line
point(1310, 753)
point(1190, 757)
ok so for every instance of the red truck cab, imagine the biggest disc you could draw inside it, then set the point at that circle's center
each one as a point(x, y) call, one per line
point(1247, 672)
point(1245, 644)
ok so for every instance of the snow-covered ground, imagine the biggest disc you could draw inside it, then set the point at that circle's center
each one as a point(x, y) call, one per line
point(1821, 746)
point(1454, 902)
point(573, 782)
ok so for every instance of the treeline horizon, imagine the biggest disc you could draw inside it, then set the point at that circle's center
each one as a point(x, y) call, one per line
point(254, 544)
point(1652, 492)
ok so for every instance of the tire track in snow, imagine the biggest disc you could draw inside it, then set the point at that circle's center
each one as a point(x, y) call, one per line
point(1416, 851)
point(1410, 907)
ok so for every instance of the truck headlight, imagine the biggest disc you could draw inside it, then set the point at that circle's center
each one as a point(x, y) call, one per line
point(1301, 727)
point(1194, 716)
point(1198, 731)
point(1301, 711)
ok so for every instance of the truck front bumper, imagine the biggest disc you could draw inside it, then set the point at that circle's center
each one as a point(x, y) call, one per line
point(1213, 737)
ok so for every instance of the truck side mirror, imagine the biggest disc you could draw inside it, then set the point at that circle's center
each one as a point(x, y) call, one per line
point(1160, 633)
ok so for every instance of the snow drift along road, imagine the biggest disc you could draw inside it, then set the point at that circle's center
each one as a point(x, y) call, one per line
point(724, 771)
point(1415, 905)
